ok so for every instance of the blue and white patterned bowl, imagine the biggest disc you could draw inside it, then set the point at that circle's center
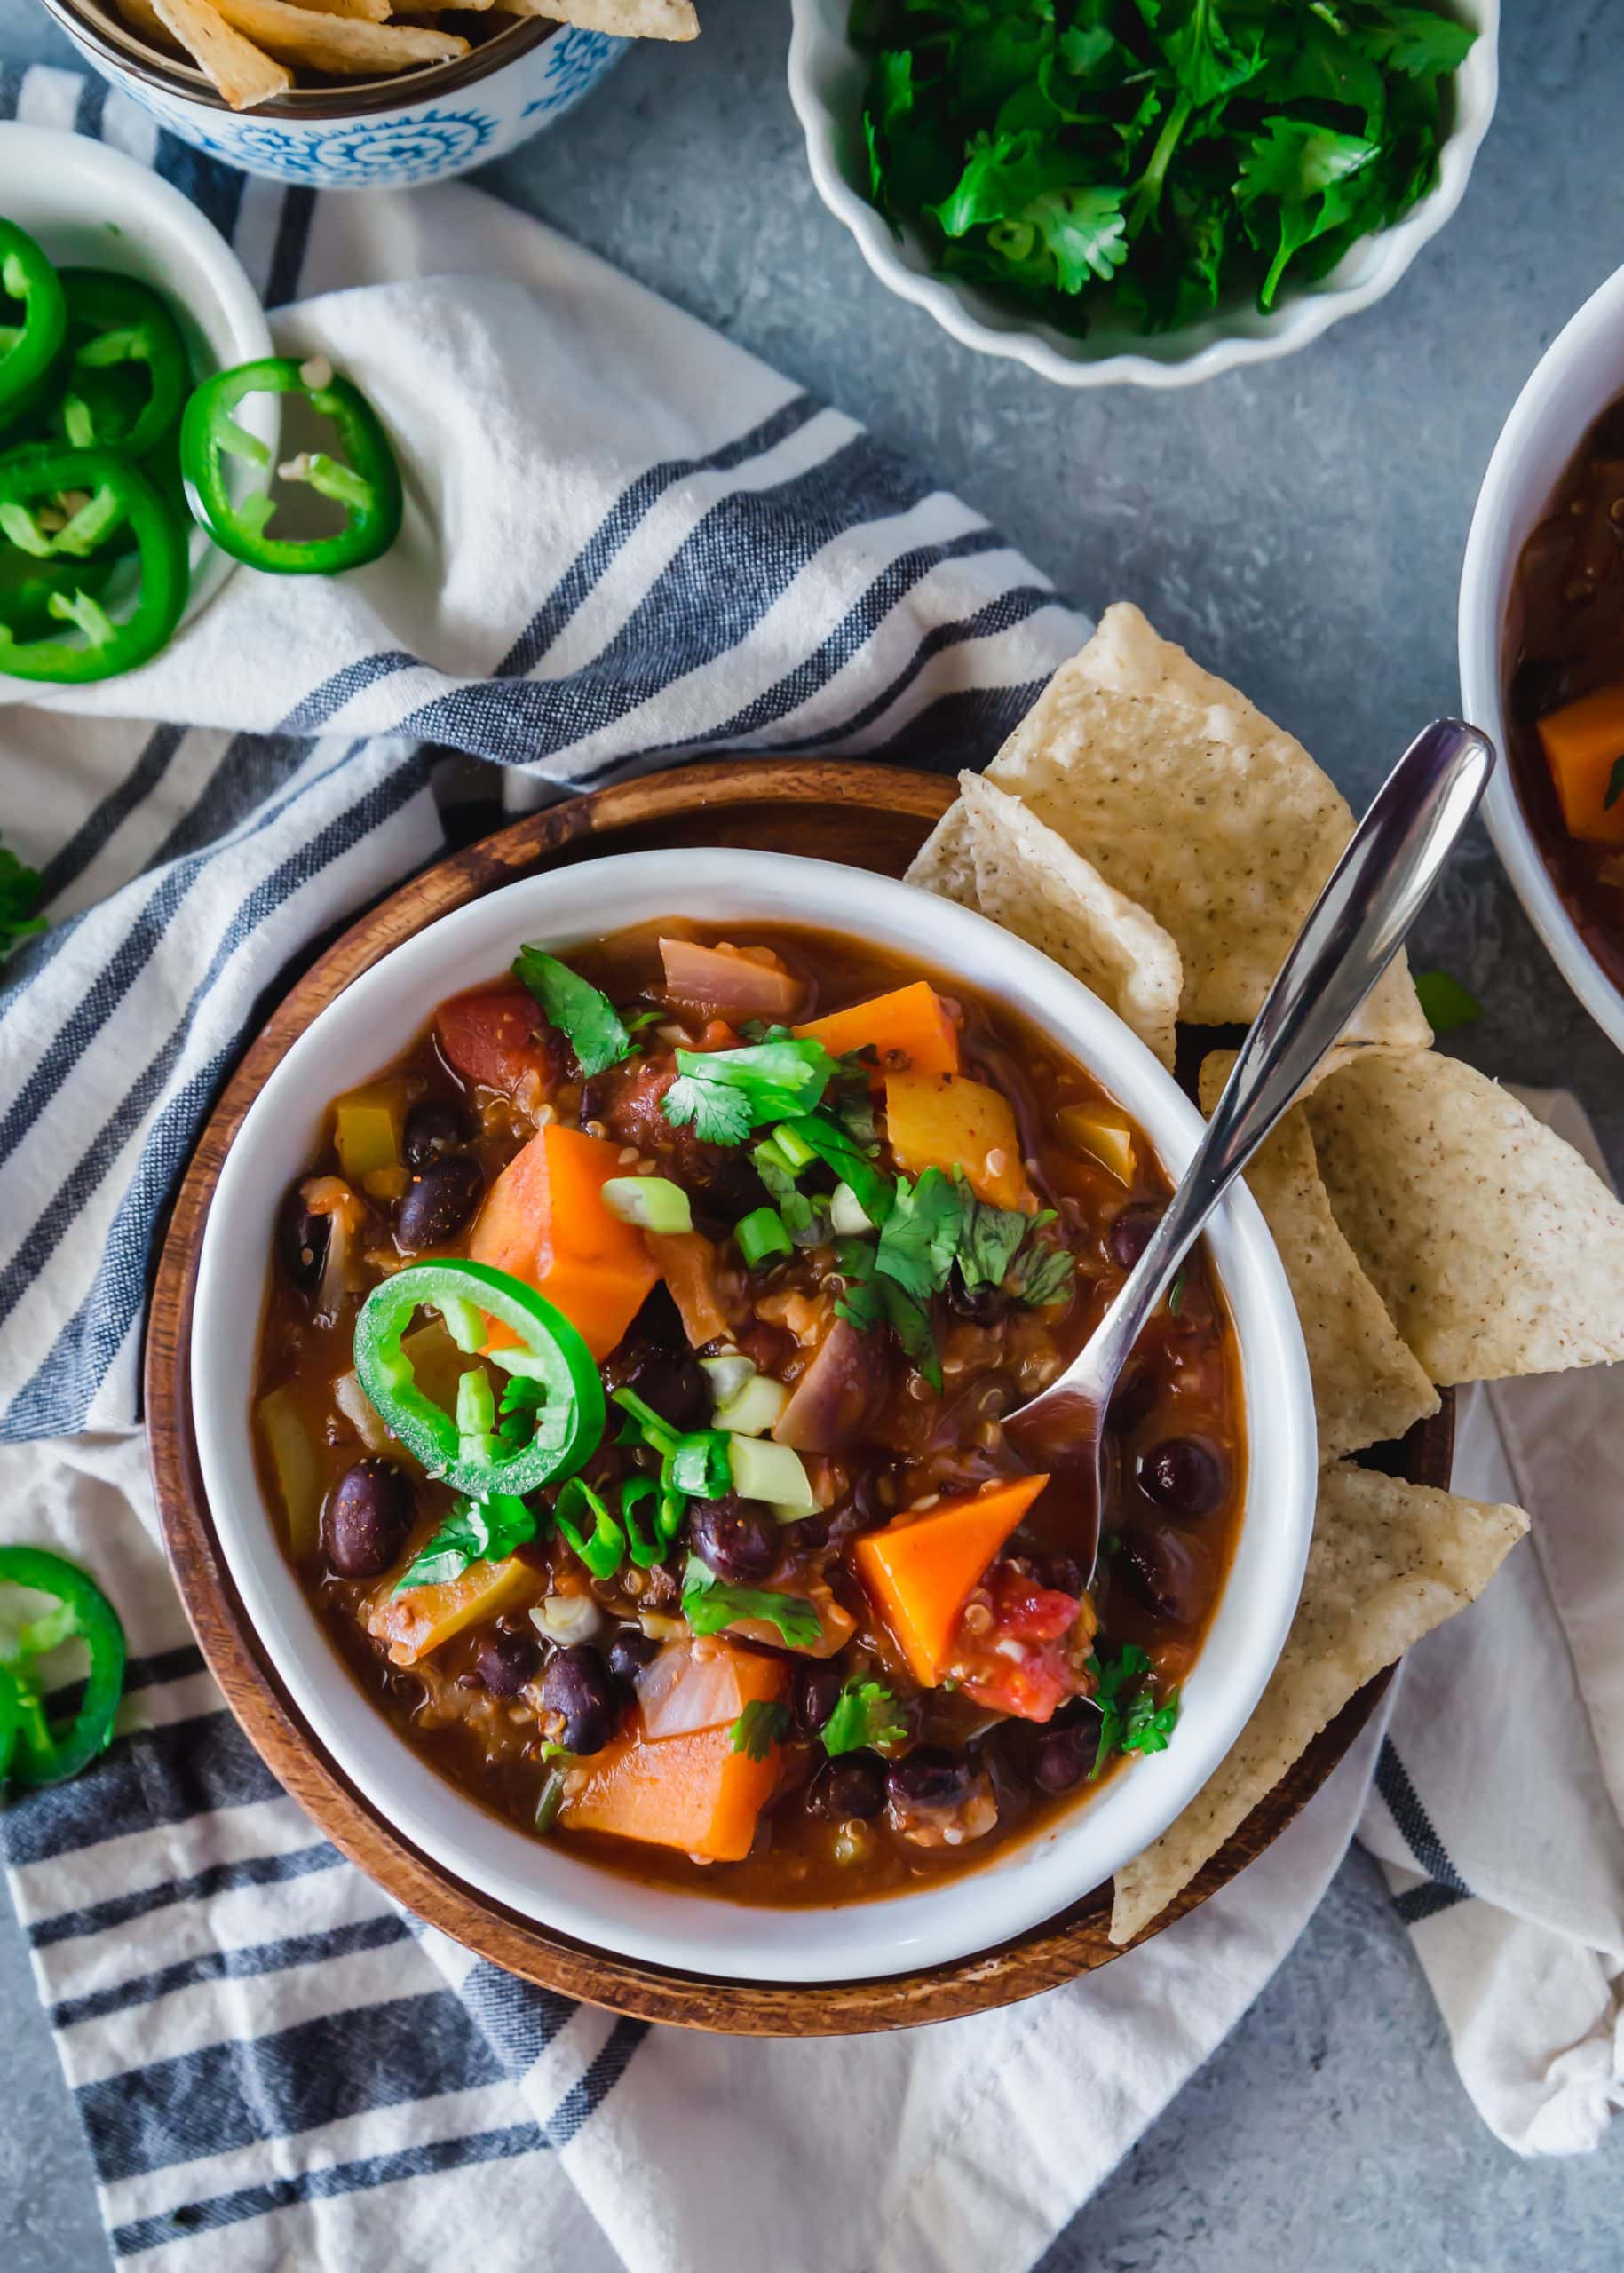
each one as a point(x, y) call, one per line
point(391, 133)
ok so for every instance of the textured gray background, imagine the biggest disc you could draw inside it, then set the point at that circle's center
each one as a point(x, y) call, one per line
point(1300, 528)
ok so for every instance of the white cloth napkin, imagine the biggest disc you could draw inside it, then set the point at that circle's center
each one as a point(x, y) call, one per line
point(1497, 1809)
point(640, 541)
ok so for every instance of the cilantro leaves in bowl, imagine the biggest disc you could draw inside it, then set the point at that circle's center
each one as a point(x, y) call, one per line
point(1146, 164)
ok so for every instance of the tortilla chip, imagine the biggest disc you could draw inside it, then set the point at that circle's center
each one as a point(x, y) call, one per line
point(346, 45)
point(945, 862)
point(236, 66)
point(626, 19)
point(1495, 1248)
point(1367, 1387)
point(371, 12)
point(1029, 881)
point(1191, 802)
point(1388, 1561)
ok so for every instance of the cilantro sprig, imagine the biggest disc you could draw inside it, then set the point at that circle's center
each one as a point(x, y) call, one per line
point(1131, 1719)
point(866, 1714)
point(475, 1530)
point(582, 1012)
point(709, 1603)
point(762, 1723)
point(1143, 163)
point(724, 1094)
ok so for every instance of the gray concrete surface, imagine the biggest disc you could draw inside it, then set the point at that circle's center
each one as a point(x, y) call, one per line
point(1300, 527)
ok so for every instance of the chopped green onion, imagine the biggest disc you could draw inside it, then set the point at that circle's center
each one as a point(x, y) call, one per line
point(761, 1234)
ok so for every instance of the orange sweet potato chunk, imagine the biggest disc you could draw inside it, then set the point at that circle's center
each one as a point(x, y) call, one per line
point(1584, 749)
point(694, 1792)
point(944, 1121)
point(544, 1220)
point(909, 1029)
point(920, 1569)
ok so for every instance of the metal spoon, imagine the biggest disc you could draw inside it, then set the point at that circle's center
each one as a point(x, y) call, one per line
point(1353, 931)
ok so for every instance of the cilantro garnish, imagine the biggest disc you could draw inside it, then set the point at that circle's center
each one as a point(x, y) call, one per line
point(724, 1094)
point(920, 1235)
point(475, 1530)
point(585, 1016)
point(864, 1714)
point(988, 1239)
point(709, 1603)
point(1445, 1002)
point(872, 1299)
point(849, 1161)
point(1042, 1274)
point(805, 1217)
point(18, 899)
point(522, 1401)
point(1130, 1722)
point(762, 1724)
point(1142, 163)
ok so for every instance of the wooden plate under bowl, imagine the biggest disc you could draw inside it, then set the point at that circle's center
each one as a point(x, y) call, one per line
point(873, 817)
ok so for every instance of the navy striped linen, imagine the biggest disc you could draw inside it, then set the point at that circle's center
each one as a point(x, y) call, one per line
point(257, 2043)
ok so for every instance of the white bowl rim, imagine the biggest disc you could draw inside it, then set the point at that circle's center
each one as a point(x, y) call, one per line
point(1505, 514)
point(977, 321)
point(1029, 1883)
point(132, 188)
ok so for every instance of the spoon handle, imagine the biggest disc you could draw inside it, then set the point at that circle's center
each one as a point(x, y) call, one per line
point(1353, 931)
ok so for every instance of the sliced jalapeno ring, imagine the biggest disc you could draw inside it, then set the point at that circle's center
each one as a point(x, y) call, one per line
point(115, 492)
point(126, 375)
point(42, 1753)
point(29, 351)
point(569, 1420)
point(366, 481)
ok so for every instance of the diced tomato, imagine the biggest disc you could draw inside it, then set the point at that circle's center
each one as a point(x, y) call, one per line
point(494, 1037)
point(1024, 1662)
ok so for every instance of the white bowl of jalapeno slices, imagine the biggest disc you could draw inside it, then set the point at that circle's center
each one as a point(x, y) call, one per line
point(652, 1252)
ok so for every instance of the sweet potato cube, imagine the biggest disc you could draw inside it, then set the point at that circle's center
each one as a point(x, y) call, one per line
point(1584, 749)
point(544, 1220)
point(692, 1791)
point(418, 1621)
point(943, 1121)
point(920, 1569)
point(909, 1030)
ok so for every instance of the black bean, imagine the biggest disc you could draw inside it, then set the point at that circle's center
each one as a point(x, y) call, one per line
point(738, 1539)
point(817, 1691)
point(982, 1305)
point(1130, 1234)
point(928, 1777)
point(301, 1240)
point(671, 1382)
point(854, 1785)
point(1063, 1572)
point(1063, 1755)
point(365, 1520)
point(630, 1650)
point(1162, 1573)
point(1184, 1476)
point(578, 1685)
point(439, 1202)
point(506, 1661)
point(434, 1126)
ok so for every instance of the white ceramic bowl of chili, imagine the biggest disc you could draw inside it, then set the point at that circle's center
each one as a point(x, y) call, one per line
point(1579, 374)
point(378, 1017)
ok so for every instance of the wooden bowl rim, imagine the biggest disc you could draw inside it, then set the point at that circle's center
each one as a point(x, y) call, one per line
point(1045, 1957)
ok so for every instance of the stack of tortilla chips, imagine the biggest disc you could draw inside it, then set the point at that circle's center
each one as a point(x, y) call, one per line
point(1157, 835)
point(252, 50)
